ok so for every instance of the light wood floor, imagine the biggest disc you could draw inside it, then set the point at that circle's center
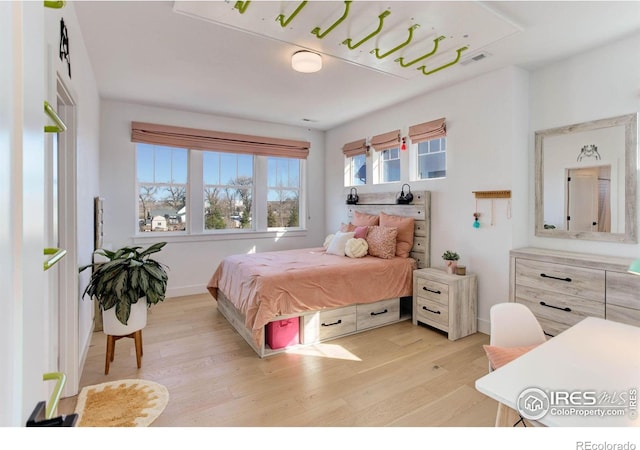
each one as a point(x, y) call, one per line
point(398, 375)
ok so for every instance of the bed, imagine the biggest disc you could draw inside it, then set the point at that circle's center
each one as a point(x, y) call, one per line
point(330, 295)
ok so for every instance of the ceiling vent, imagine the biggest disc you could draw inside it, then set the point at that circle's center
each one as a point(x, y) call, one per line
point(475, 58)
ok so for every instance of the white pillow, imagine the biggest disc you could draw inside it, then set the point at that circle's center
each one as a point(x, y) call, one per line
point(339, 242)
point(327, 241)
point(356, 248)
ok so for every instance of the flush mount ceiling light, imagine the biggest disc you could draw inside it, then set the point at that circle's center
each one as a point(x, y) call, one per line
point(306, 62)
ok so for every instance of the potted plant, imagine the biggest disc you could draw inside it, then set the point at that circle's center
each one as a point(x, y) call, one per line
point(451, 260)
point(126, 285)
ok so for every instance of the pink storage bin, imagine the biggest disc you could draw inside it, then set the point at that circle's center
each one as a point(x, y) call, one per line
point(283, 333)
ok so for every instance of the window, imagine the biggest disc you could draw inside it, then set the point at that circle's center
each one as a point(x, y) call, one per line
point(432, 159)
point(192, 181)
point(390, 165)
point(228, 190)
point(283, 192)
point(357, 170)
point(162, 188)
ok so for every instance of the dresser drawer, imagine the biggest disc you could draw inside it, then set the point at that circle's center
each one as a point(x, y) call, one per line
point(623, 289)
point(432, 313)
point(623, 315)
point(379, 313)
point(432, 290)
point(329, 324)
point(565, 310)
point(565, 279)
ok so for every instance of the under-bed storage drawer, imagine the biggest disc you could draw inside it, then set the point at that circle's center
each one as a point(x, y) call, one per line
point(371, 315)
point(327, 324)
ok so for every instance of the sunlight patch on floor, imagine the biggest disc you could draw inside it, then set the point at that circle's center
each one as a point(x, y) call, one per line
point(325, 351)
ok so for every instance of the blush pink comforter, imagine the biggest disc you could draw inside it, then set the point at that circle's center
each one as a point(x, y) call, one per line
point(265, 285)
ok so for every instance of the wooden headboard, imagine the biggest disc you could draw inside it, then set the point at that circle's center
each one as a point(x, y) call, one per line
point(419, 209)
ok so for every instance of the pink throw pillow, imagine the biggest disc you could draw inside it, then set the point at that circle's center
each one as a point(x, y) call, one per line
point(361, 232)
point(499, 356)
point(364, 220)
point(405, 226)
point(382, 241)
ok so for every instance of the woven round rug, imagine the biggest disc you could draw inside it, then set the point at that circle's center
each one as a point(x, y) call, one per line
point(122, 403)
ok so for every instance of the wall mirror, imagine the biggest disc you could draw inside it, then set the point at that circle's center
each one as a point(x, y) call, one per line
point(586, 180)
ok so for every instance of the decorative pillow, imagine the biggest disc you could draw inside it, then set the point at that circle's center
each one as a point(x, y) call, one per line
point(346, 227)
point(327, 241)
point(365, 220)
point(499, 356)
point(361, 232)
point(405, 226)
point(356, 248)
point(339, 242)
point(382, 241)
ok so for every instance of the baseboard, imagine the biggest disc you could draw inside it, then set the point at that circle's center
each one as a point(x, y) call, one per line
point(484, 326)
point(187, 290)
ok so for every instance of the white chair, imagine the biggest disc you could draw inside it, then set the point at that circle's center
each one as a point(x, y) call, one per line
point(513, 325)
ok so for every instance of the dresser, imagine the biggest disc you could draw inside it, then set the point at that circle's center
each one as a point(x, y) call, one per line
point(446, 302)
point(562, 288)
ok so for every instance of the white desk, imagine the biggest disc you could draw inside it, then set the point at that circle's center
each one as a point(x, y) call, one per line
point(594, 355)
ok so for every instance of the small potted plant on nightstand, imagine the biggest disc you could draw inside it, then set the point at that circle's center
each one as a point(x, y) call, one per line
point(451, 261)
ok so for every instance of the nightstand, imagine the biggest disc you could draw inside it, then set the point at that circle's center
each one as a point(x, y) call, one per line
point(446, 302)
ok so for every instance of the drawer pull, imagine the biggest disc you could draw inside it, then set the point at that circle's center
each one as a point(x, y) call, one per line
point(378, 313)
point(567, 309)
point(544, 275)
point(430, 310)
point(331, 324)
point(548, 334)
point(431, 290)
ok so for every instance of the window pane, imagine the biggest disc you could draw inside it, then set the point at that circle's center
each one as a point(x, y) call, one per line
point(179, 166)
point(211, 167)
point(228, 168)
point(391, 170)
point(283, 208)
point(359, 169)
point(144, 162)
point(162, 208)
point(294, 172)
point(283, 172)
point(432, 159)
point(245, 166)
point(163, 165)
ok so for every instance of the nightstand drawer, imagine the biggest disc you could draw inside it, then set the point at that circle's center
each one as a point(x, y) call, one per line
point(433, 313)
point(432, 290)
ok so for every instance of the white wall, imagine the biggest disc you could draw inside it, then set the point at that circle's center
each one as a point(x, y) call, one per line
point(192, 260)
point(594, 85)
point(487, 119)
point(83, 89)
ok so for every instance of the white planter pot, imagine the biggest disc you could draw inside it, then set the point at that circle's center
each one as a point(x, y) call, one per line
point(137, 320)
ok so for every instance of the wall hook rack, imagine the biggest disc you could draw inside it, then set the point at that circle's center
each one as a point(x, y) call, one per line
point(459, 52)
point(376, 51)
point(436, 42)
point(242, 6)
point(347, 42)
point(59, 124)
point(492, 194)
point(281, 19)
point(320, 35)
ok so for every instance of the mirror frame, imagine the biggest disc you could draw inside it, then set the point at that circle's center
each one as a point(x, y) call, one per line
point(630, 235)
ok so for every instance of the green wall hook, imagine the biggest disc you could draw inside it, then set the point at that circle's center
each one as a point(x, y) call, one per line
point(242, 6)
point(59, 124)
point(347, 42)
point(436, 41)
point(316, 30)
point(284, 23)
point(459, 51)
point(54, 4)
point(376, 51)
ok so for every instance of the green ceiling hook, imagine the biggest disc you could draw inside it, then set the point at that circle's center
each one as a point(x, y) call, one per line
point(347, 42)
point(284, 23)
point(405, 43)
point(436, 41)
point(242, 6)
point(459, 51)
point(316, 30)
point(54, 4)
